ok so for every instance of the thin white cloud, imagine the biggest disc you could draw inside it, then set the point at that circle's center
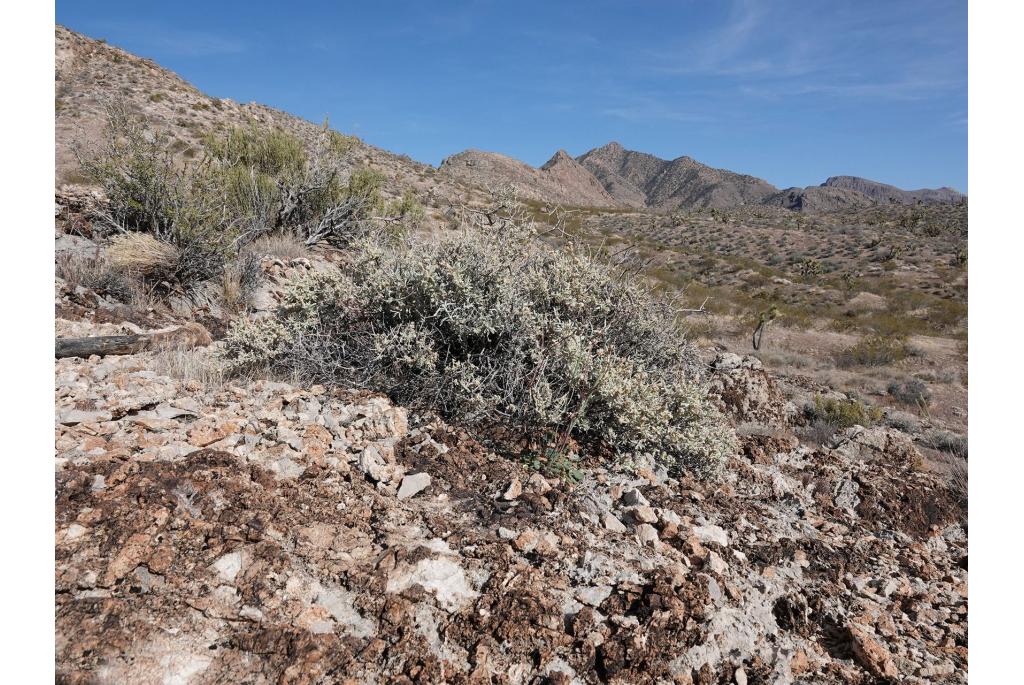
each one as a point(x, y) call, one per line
point(786, 49)
point(186, 43)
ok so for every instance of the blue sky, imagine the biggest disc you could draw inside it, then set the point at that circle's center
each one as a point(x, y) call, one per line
point(791, 91)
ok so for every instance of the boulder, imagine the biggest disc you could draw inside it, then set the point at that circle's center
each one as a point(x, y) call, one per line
point(743, 389)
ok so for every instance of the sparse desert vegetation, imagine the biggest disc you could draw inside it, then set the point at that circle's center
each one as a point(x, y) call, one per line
point(689, 428)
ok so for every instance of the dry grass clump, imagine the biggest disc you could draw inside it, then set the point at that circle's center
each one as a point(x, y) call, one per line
point(281, 245)
point(488, 325)
point(240, 280)
point(200, 366)
point(958, 483)
point(144, 255)
point(947, 441)
point(875, 350)
point(94, 270)
point(912, 392)
point(902, 421)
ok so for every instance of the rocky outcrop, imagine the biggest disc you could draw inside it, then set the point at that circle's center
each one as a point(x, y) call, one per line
point(745, 391)
point(819, 199)
point(266, 532)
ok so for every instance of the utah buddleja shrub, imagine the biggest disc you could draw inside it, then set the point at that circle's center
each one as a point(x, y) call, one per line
point(488, 325)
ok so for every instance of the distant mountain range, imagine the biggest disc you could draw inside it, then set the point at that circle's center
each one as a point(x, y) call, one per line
point(612, 176)
point(90, 73)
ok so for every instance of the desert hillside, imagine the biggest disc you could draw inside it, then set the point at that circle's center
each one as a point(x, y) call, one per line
point(324, 414)
point(91, 74)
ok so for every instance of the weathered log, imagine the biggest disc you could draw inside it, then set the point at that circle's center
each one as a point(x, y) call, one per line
point(186, 337)
point(101, 345)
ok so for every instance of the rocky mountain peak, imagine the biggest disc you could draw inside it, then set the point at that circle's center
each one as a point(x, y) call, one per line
point(560, 157)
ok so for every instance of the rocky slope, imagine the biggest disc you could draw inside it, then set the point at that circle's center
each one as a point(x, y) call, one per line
point(666, 185)
point(90, 73)
point(888, 194)
point(260, 531)
point(561, 180)
point(819, 199)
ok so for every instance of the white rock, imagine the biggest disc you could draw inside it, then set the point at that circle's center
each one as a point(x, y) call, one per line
point(647, 534)
point(373, 465)
point(712, 534)
point(339, 604)
point(593, 596)
point(716, 563)
point(413, 484)
point(70, 417)
point(228, 566)
point(74, 531)
point(514, 490)
point(634, 498)
point(443, 577)
point(612, 523)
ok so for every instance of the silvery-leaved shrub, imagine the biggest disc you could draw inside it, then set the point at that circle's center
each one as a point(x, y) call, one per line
point(488, 325)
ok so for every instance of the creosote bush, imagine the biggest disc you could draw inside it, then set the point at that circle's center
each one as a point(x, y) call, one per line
point(252, 182)
point(490, 326)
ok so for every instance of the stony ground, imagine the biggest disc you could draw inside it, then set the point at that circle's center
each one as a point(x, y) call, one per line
point(254, 531)
point(213, 530)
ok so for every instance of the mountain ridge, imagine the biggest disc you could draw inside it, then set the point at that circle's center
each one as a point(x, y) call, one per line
point(90, 72)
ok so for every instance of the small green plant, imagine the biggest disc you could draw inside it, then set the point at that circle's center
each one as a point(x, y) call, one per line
point(251, 182)
point(555, 463)
point(842, 413)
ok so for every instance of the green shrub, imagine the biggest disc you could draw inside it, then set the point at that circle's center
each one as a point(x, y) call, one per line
point(842, 413)
point(148, 193)
point(875, 350)
point(271, 152)
point(488, 325)
point(252, 182)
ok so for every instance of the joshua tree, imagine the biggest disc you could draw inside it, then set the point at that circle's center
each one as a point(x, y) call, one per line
point(765, 318)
